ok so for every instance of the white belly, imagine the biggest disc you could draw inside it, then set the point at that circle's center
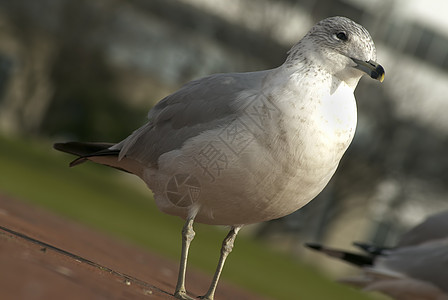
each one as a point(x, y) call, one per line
point(265, 164)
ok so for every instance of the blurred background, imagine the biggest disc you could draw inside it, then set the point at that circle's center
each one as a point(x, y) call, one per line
point(91, 70)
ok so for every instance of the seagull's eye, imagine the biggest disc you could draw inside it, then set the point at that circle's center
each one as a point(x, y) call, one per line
point(342, 36)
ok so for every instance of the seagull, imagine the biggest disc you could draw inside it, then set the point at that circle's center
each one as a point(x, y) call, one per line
point(417, 268)
point(240, 148)
point(411, 272)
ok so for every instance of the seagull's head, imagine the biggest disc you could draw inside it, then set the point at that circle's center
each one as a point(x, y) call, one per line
point(341, 47)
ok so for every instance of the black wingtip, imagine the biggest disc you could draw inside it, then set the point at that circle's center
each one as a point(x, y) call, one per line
point(371, 249)
point(58, 146)
point(77, 161)
point(352, 258)
point(314, 246)
point(81, 148)
point(85, 150)
point(363, 246)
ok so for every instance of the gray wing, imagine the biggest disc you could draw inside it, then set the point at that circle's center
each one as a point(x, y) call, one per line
point(427, 262)
point(434, 227)
point(198, 106)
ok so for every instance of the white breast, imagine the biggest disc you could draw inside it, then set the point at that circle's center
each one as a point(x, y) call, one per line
point(270, 160)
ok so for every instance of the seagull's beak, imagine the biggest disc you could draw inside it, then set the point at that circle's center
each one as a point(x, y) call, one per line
point(373, 69)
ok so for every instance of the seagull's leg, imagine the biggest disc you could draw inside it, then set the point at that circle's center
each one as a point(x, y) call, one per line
point(227, 246)
point(187, 236)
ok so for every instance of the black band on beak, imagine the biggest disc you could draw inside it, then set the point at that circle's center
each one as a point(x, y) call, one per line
point(371, 68)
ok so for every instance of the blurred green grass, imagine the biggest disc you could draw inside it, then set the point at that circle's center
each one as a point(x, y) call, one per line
point(103, 199)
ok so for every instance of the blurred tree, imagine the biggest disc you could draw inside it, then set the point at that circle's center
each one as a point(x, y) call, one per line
point(85, 103)
point(55, 80)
